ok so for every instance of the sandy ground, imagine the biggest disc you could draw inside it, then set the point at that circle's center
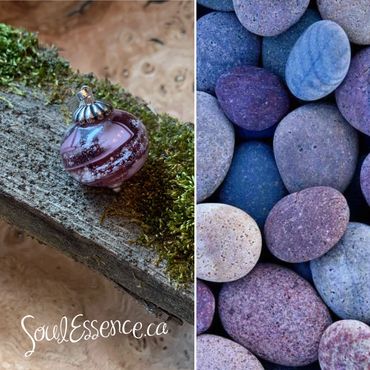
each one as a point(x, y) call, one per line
point(148, 48)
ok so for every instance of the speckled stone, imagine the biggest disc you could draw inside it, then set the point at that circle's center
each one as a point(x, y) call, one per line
point(253, 182)
point(365, 179)
point(305, 225)
point(252, 98)
point(275, 50)
point(342, 276)
point(315, 146)
point(318, 62)
point(276, 314)
point(353, 16)
point(223, 5)
point(228, 242)
point(345, 345)
point(215, 145)
point(205, 307)
point(353, 95)
point(222, 44)
point(218, 353)
point(269, 18)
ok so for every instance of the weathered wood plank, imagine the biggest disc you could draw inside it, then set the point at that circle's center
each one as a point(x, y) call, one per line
point(40, 198)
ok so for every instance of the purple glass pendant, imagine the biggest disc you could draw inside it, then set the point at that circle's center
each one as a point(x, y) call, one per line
point(105, 146)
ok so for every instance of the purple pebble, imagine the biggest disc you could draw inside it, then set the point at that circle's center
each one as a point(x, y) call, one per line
point(276, 314)
point(205, 307)
point(305, 225)
point(345, 345)
point(253, 98)
point(365, 179)
point(353, 94)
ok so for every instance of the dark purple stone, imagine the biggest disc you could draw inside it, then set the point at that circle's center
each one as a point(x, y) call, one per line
point(275, 314)
point(307, 224)
point(365, 179)
point(107, 152)
point(205, 307)
point(253, 98)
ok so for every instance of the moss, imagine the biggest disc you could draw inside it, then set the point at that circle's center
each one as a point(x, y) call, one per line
point(160, 198)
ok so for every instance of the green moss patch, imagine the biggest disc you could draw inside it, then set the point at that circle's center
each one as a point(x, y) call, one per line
point(161, 197)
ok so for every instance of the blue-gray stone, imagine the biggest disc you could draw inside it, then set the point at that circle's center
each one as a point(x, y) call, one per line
point(215, 145)
point(223, 5)
point(276, 49)
point(319, 61)
point(342, 276)
point(222, 43)
point(253, 182)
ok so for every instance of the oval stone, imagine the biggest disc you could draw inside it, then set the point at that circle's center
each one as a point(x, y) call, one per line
point(252, 98)
point(205, 307)
point(305, 225)
point(352, 95)
point(275, 50)
point(228, 242)
point(269, 18)
point(215, 145)
point(315, 146)
point(276, 314)
point(353, 16)
point(319, 61)
point(342, 276)
point(365, 179)
point(222, 44)
point(223, 5)
point(253, 182)
point(345, 345)
point(218, 353)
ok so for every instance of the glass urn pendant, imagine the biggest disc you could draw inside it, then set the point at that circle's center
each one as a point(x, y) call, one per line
point(105, 146)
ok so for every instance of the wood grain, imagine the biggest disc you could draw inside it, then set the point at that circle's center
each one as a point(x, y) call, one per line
point(39, 197)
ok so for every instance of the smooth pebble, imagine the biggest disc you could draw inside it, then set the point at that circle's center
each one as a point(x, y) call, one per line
point(223, 5)
point(252, 97)
point(352, 15)
point(345, 345)
point(353, 94)
point(218, 353)
point(259, 310)
point(205, 307)
point(318, 62)
point(215, 145)
point(275, 50)
point(315, 146)
point(269, 18)
point(342, 276)
point(307, 224)
point(228, 242)
point(253, 182)
point(365, 179)
point(222, 43)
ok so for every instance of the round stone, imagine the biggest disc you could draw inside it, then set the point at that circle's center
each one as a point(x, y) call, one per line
point(223, 5)
point(345, 345)
point(205, 307)
point(253, 182)
point(222, 44)
point(305, 225)
point(365, 179)
point(342, 276)
point(353, 16)
point(275, 50)
point(315, 146)
point(215, 145)
point(218, 353)
point(228, 242)
point(268, 18)
point(352, 95)
point(319, 61)
point(252, 98)
point(276, 314)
